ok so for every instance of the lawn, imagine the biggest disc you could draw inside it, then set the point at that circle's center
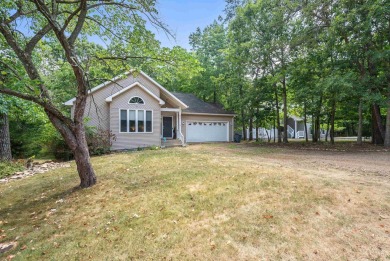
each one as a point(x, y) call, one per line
point(206, 202)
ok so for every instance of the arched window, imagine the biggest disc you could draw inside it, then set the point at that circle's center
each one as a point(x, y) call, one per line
point(136, 100)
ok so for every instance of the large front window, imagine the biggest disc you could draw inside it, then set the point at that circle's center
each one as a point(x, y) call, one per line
point(137, 121)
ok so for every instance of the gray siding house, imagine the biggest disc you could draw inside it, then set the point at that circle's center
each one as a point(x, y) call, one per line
point(142, 113)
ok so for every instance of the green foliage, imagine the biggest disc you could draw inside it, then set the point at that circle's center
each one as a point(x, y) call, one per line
point(9, 168)
point(99, 141)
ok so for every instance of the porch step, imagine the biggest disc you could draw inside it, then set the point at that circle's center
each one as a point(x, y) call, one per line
point(171, 143)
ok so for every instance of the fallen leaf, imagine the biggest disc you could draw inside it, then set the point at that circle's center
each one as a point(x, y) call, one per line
point(23, 247)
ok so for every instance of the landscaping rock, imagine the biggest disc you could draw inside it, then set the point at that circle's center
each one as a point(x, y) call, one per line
point(36, 168)
point(4, 247)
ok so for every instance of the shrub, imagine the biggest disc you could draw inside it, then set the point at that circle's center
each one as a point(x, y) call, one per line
point(9, 167)
point(99, 141)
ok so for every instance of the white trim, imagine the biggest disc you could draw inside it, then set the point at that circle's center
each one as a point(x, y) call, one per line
point(170, 109)
point(109, 99)
point(162, 126)
point(70, 102)
point(181, 134)
point(212, 114)
point(143, 102)
point(136, 122)
point(227, 126)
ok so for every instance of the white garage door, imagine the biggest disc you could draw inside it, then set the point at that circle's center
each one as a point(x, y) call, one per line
point(204, 131)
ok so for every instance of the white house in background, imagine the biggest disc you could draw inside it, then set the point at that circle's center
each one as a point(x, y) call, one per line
point(295, 130)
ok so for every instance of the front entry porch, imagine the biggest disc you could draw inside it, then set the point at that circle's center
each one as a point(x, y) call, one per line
point(171, 134)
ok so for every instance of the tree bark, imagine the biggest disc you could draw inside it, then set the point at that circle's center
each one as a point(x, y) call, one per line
point(251, 127)
point(284, 92)
point(305, 121)
point(360, 125)
point(74, 137)
point(243, 124)
point(5, 142)
point(328, 126)
point(332, 117)
point(274, 129)
point(387, 132)
point(317, 129)
point(277, 114)
point(377, 127)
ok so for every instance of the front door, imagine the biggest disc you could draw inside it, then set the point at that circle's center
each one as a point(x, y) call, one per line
point(167, 127)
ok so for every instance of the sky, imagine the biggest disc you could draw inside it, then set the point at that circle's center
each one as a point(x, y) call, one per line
point(184, 16)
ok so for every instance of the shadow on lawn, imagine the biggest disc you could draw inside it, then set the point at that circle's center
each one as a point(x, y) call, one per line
point(29, 205)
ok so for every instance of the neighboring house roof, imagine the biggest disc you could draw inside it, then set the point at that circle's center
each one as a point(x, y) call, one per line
point(109, 99)
point(197, 106)
point(165, 91)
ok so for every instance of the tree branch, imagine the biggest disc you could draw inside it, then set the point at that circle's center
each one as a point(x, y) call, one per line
point(70, 17)
point(15, 73)
point(125, 58)
point(80, 22)
point(24, 57)
point(46, 105)
point(36, 38)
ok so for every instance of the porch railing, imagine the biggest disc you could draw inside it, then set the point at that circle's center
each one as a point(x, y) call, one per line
point(300, 134)
point(290, 131)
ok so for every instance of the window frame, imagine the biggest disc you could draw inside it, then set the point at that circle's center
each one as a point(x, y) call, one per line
point(136, 121)
point(136, 103)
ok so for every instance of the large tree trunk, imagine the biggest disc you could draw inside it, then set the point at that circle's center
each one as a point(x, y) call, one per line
point(305, 121)
point(284, 92)
point(251, 127)
point(378, 132)
point(328, 127)
point(332, 117)
point(74, 137)
point(360, 125)
point(243, 124)
point(277, 114)
point(84, 166)
point(5, 142)
point(387, 132)
point(317, 127)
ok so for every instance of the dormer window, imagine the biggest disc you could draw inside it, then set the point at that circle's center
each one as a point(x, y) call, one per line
point(136, 100)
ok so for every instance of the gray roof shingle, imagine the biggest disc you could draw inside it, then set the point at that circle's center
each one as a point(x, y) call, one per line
point(196, 105)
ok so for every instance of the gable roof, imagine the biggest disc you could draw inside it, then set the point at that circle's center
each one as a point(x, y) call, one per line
point(197, 106)
point(109, 99)
point(165, 91)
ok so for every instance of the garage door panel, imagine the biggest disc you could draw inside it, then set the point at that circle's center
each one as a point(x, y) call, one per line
point(198, 131)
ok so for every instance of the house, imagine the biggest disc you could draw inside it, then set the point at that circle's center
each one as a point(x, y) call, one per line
point(295, 130)
point(142, 113)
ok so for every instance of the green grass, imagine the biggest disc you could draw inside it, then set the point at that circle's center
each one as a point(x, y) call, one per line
point(9, 168)
point(206, 202)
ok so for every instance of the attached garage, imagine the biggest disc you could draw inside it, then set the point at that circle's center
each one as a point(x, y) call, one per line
point(207, 131)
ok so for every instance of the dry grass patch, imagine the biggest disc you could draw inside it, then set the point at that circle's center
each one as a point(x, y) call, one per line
point(206, 202)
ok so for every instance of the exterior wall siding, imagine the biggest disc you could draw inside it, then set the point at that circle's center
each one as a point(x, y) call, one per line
point(135, 140)
point(193, 117)
point(97, 110)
